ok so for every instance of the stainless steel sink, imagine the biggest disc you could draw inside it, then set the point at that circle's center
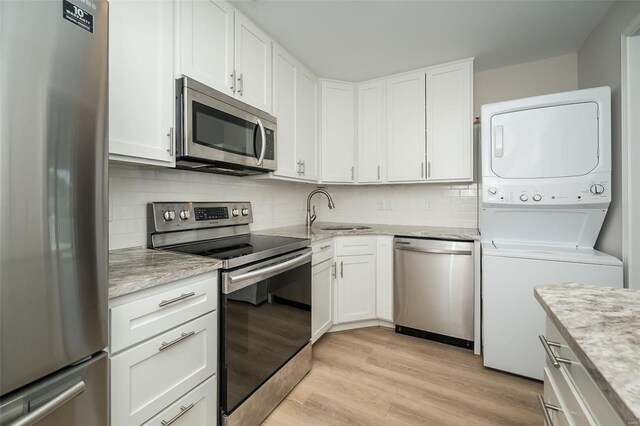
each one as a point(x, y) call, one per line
point(344, 228)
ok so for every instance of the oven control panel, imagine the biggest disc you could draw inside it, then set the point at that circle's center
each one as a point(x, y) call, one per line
point(181, 216)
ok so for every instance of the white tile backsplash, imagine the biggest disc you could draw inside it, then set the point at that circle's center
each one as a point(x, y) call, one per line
point(277, 203)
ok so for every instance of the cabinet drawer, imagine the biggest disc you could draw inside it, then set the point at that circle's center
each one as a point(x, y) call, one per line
point(138, 320)
point(355, 246)
point(196, 408)
point(573, 404)
point(322, 251)
point(593, 399)
point(551, 396)
point(147, 378)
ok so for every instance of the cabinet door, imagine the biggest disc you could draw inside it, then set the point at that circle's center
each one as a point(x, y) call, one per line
point(321, 299)
point(196, 408)
point(338, 132)
point(356, 288)
point(450, 122)
point(141, 82)
point(206, 43)
point(285, 85)
point(253, 64)
point(406, 128)
point(384, 278)
point(307, 127)
point(370, 131)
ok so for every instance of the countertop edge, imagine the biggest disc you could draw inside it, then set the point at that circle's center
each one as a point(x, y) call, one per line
point(603, 384)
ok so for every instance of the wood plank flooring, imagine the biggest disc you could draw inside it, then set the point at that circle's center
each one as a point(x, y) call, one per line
point(374, 376)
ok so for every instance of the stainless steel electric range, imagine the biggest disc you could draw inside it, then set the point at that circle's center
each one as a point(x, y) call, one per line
point(265, 301)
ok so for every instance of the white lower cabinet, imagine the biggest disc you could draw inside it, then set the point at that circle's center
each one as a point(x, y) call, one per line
point(384, 278)
point(196, 408)
point(163, 354)
point(321, 299)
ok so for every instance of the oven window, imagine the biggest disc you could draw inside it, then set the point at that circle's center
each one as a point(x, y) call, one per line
point(263, 326)
point(219, 130)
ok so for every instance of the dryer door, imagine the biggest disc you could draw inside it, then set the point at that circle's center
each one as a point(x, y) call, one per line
point(549, 142)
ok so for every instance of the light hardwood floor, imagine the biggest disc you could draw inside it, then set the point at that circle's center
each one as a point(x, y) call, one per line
point(374, 376)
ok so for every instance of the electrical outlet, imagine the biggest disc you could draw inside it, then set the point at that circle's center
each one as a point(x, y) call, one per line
point(428, 205)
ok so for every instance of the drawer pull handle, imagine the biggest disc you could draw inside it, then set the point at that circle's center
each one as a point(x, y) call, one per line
point(545, 410)
point(183, 336)
point(555, 360)
point(325, 247)
point(176, 299)
point(183, 410)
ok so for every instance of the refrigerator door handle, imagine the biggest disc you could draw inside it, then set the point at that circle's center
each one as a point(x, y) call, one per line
point(51, 406)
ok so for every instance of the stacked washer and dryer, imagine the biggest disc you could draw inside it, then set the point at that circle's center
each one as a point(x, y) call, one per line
point(546, 184)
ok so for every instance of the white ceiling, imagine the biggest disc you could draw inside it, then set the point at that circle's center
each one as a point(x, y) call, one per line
point(360, 40)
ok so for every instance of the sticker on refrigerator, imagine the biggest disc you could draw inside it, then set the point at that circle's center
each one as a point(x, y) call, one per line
point(77, 15)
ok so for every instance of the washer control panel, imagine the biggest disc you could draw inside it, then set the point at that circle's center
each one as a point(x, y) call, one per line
point(182, 216)
point(498, 193)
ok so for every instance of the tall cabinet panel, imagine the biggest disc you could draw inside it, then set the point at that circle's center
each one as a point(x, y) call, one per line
point(307, 126)
point(253, 64)
point(338, 132)
point(206, 43)
point(285, 84)
point(450, 122)
point(370, 131)
point(141, 82)
point(406, 127)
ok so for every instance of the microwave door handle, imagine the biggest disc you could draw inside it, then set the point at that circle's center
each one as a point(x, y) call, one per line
point(264, 141)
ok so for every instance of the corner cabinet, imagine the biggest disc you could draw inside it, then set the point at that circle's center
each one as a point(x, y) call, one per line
point(355, 279)
point(295, 104)
point(221, 48)
point(141, 85)
point(338, 131)
point(450, 122)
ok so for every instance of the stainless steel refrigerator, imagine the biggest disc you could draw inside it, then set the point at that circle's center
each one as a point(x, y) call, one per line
point(53, 212)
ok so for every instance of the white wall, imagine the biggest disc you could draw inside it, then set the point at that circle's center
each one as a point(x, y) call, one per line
point(131, 188)
point(551, 75)
point(599, 64)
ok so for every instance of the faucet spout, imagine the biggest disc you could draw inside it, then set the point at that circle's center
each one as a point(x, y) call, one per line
point(311, 217)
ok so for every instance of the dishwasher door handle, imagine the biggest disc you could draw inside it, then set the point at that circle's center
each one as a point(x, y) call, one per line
point(435, 251)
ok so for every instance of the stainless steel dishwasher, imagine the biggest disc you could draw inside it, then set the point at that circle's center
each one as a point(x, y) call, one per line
point(433, 290)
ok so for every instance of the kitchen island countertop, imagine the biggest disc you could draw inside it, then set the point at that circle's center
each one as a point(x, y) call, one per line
point(602, 327)
point(317, 233)
point(136, 269)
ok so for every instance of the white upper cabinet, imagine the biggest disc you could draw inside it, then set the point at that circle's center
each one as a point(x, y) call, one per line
point(338, 132)
point(253, 64)
point(370, 131)
point(221, 48)
point(307, 123)
point(406, 127)
point(285, 86)
point(450, 122)
point(206, 43)
point(141, 82)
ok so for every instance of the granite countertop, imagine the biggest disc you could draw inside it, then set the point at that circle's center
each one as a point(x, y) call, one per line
point(317, 234)
point(602, 327)
point(136, 269)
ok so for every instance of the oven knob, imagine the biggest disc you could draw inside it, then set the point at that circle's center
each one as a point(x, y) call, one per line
point(524, 197)
point(235, 212)
point(245, 212)
point(537, 197)
point(169, 215)
point(185, 214)
point(493, 191)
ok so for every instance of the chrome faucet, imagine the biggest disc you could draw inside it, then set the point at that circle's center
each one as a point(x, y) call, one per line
point(312, 217)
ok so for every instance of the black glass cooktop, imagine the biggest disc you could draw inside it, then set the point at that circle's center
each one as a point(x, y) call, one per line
point(243, 249)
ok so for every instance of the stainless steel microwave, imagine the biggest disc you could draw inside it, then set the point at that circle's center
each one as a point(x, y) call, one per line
point(219, 134)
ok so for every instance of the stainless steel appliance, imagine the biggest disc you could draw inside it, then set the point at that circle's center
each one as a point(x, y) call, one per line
point(53, 227)
point(219, 134)
point(433, 289)
point(265, 301)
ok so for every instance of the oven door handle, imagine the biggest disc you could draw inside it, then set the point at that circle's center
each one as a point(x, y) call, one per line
point(263, 135)
point(234, 282)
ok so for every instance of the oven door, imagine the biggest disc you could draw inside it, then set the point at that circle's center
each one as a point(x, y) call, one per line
point(217, 131)
point(265, 320)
